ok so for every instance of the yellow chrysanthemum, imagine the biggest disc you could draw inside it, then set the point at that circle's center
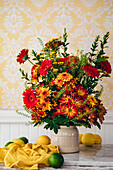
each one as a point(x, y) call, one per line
point(34, 81)
point(45, 105)
point(54, 62)
point(92, 100)
point(55, 70)
point(45, 92)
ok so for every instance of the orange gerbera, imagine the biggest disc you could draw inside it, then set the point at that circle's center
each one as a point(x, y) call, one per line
point(65, 76)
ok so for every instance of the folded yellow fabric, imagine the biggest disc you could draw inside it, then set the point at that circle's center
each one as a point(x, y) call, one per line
point(31, 156)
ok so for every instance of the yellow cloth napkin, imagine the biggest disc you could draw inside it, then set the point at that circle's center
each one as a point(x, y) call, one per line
point(31, 156)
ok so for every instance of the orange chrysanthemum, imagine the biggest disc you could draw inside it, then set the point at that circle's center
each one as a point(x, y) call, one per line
point(45, 92)
point(81, 91)
point(45, 104)
point(70, 111)
point(58, 82)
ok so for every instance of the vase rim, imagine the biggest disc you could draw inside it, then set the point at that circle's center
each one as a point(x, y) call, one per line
point(63, 126)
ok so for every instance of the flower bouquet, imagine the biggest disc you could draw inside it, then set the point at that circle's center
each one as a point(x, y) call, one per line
point(61, 89)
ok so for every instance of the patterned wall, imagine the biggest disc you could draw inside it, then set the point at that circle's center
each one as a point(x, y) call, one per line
point(22, 21)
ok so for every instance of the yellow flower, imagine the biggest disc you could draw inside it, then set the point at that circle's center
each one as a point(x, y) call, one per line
point(55, 70)
point(34, 81)
point(59, 82)
point(65, 76)
point(58, 57)
point(45, 92)
point(60, 63)
point(54, 62)
point(92, 100)
point(105, 56)
point(45, 104)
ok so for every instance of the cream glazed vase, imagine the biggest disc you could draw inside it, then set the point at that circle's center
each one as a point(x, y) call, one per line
point(67, 139)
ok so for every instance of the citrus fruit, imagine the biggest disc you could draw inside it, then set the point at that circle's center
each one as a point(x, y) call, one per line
point(43, 140)
point(18, 141)
point(56, 160)
point(24, 139)
point(8, 143)
point(98, 139)
point(12, 144)
point(88, 139)
point(80, 138)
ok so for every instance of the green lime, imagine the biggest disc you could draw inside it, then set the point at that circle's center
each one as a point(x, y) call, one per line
point(8, 143)
point(25, 140)
point(56, 160)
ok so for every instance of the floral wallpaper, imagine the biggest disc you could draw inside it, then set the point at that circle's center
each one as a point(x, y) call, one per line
point(23, 21)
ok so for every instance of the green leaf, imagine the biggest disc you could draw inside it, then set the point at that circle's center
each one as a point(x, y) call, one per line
point(97, 124)
point(41, 42)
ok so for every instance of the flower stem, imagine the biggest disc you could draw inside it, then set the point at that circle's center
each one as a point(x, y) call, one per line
point(31, 62)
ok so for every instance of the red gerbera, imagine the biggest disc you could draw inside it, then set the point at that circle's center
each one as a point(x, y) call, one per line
point(45, 66)
point(105, 66)
point(29, 98)
point(23, 56)
point(91, 70)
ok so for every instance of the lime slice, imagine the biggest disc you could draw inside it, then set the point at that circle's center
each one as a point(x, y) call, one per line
point(56, 160)
point(24, 139)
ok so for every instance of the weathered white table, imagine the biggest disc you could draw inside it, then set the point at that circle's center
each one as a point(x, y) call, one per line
point(98, 157)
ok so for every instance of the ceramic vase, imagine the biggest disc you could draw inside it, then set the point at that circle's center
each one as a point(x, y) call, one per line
point(67, 139)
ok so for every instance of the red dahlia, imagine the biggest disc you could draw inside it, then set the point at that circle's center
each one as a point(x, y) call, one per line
point(91, 70)
point(45, 66)
point(29, 98)
point(23, 56)
point(105, 66)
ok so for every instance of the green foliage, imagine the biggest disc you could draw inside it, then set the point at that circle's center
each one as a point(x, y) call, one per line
point(24, 75)
point(23, 114)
